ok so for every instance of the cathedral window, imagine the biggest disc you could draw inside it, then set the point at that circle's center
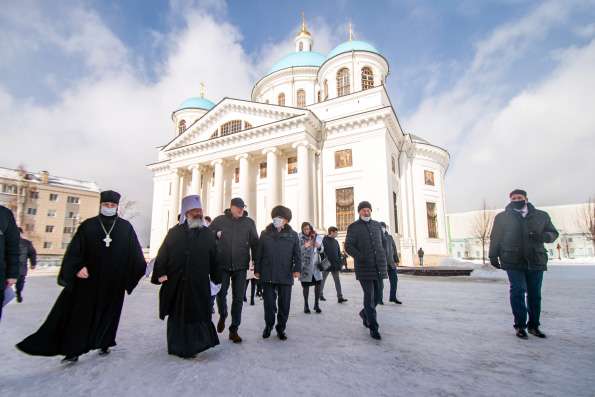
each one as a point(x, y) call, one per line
point(395, 213)
point(301, 98)
point(343, 82)
point(231, 127)
point(325, 90)
point(429, 178)
point(292, 165)
point(236, 175)
point(367, 78)
point(393, 164)
point(247, 125)
point(281, 99)
point(343, 158)
point(318, 96)
point(345, 212)
point(262, 170)
point(301, 46)
point(215, 134)
point(181, 126)
point(432, 220)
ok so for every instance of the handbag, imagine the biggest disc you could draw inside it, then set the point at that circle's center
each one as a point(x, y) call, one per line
point(323, 263)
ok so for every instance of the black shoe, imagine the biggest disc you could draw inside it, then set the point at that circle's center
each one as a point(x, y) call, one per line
point(342, 300)
point(221, 324)
point(281, 335)
point(317, 309)
point(267, 332)
point(375, 334)
point(322, 298)
point(398, 302)
point(536, 332)
point(252, 302)
point(381, 303)
point(521, 333)
point(19, 298)
point(363, 317)
point(104, 351)
point(234, 337)
point(307, 310)
point(245, 299)
point(70, 360)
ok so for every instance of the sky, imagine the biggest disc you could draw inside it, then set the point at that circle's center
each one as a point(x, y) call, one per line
point(507, 87)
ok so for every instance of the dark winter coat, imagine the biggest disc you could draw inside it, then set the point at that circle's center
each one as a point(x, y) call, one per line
point(420, 253)
point(365, 243)
point(278, 255)
point(238, 238)
point(9, 246)
point(392, 256)
point(26, 253)
point(332, 250)
point(518, 242)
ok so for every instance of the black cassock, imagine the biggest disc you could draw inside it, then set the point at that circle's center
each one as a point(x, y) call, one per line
point(188, 258)
point(87, 311)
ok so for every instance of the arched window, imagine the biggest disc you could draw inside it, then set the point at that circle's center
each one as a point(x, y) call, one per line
point(231, 127)
point(367, 78)
point(301, 98)
point(281, 99)
point(301, 46)
point(181, 126)
point(215, 134)
point(318, 96)
point(325, 90)
point(247, 125)
point(343, 82)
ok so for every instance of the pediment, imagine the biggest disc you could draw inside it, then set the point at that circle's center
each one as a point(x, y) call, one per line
point(251, 114)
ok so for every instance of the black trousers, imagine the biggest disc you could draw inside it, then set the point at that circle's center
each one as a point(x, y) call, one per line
point(393, 279)
point(277, 300)
point(255, 285)
point(379, 292)
point(371, 290)
point(238, 288)
point(20, 285)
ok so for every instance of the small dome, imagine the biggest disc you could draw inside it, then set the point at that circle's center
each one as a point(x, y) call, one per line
point(299, 58)
point(349, 46)
point(197, 102)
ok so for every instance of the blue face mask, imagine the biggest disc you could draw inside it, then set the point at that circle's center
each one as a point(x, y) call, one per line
point(518, 205)
point(105, 211)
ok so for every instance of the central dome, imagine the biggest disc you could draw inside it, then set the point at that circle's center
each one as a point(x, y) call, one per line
point(197, 102)
point(299, 58)
point(352, 45)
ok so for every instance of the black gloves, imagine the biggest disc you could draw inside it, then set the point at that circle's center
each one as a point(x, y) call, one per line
point(534, 236)
point(496, 263)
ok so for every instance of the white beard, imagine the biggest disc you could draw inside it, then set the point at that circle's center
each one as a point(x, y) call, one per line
point(194, 223)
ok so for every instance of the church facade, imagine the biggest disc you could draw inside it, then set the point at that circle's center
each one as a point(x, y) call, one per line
point(319, 135)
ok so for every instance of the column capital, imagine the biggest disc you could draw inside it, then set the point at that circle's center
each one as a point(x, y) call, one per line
point(176, 171)
point(273, 149)
point(305, 144)
point(194, 167)
point(243, 156)
point(217, 162)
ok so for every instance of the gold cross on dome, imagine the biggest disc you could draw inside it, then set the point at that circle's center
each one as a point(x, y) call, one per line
point(350, 31)
point(202, 90)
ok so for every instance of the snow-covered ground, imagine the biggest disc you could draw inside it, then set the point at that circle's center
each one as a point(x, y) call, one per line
point(452, 337)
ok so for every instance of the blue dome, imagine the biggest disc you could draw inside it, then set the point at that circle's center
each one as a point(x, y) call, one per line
point(300, 58)
point(197, 102)
point(349, 46)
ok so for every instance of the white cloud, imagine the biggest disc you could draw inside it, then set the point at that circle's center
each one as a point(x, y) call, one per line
point(539, 137)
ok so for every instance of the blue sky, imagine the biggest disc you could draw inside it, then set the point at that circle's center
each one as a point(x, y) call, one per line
point(505, 86)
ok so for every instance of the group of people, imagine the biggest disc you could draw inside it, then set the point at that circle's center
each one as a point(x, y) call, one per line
point(197, 261)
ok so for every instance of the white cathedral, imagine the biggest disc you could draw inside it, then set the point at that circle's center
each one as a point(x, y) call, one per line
point(319, 135)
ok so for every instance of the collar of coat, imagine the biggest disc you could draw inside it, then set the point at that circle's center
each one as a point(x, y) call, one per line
point(272, 229)
point(530, 209)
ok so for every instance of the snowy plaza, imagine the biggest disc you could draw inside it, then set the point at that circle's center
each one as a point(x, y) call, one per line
point(451, 337)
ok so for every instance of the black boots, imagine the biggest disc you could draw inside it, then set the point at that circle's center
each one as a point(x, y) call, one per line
point(398, 302)
point(375, 334)
point(307, 308)
point(221, 324)
point(104, 351)
point(322, 298)
point(70, 360)
point(341, 300)
point(521, 333)
point(281, 334)
point(267, 332)
point(234, 337)
point(536, 332)
point(364, 319)
point(317, 309)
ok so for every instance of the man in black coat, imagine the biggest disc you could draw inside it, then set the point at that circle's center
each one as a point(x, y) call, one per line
point(277, 263)
point(9, 252)
point(420, 255)
point(27, 253)
point(332, 250)
point(392, 260)
point(365, 243)
point(103, 261)
point(516, 245)
point(236, 238)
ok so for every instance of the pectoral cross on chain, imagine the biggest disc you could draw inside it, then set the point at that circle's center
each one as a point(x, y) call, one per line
point(107, 240)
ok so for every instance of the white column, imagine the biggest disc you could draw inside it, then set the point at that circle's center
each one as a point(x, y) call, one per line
point(205, 179)
point(175, 199)
point(304, 164)
point(273, 178)
point(244, 160)
point(195, 183)
point(217, 206)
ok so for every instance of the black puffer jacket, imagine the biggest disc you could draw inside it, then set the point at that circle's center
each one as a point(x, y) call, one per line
point(392, 256)
point(365, 243)
point(333, 253)
point(26, 253)
point(518, 242)
point(278, 256)
point(238, 238)
point(9, 246)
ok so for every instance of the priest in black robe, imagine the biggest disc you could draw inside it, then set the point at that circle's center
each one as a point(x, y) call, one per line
point(186, 263)
point(102, 262)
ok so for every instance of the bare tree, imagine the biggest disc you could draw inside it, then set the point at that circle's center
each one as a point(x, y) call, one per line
point(127, 210)
point(482, 227)
point(587, 220)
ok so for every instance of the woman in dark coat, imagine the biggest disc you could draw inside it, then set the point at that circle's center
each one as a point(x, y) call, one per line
point(277, 263)
point(185, 264)
point(311, 247)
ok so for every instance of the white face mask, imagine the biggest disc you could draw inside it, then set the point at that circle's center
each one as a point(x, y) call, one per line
point(193, 223)
point(278, 222)
point(105, 211)
point(366, 218)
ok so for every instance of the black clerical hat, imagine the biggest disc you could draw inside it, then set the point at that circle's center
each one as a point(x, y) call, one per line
point(109, 196)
